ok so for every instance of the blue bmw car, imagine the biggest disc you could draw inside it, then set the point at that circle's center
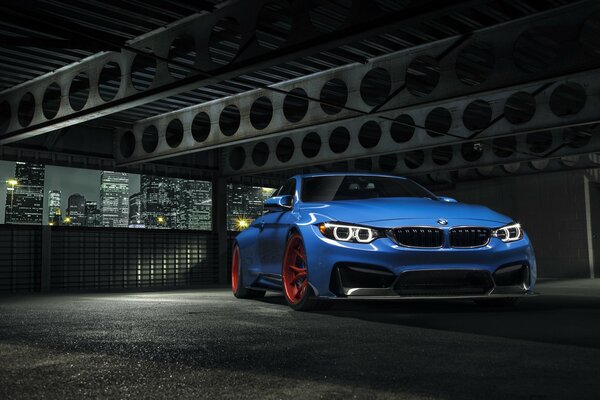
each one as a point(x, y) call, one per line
point(367, 236)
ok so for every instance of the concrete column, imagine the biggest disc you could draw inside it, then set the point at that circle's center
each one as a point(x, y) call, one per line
point(219, 224)
point(588, 225)
point(46, 258)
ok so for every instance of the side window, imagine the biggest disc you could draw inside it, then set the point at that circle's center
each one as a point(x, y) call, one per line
point(288, 188)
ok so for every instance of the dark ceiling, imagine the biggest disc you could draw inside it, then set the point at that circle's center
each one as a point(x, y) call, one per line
point(39, 36)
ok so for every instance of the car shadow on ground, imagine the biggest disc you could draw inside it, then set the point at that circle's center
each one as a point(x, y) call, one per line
point(568, 320)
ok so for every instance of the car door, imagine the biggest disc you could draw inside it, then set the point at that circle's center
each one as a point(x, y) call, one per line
point(274, 227)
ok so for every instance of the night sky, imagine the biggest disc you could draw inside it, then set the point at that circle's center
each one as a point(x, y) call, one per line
point(68, 180)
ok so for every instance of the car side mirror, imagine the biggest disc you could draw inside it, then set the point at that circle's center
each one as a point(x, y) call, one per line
point(447, 199)
point(279, 203)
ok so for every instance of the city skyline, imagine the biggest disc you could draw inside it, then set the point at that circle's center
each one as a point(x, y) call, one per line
point(69, 196)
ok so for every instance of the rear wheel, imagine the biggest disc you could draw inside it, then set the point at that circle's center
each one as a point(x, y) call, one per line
point(237, 284)
point(296, 289)
point(500, 302)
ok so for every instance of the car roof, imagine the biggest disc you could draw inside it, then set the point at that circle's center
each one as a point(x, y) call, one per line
point(315, 175)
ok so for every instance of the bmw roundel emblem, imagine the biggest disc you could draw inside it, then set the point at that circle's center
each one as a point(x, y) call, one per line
point(442, 221)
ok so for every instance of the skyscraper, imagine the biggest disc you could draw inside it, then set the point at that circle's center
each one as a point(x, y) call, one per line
point(76, 210)
point(195, 206)
point(114, 199)
point(54, 211)
point(245, 201)
point(175, 203)
point(159, 201)
point(25, 195)
point(135, 211)
point(92, 214)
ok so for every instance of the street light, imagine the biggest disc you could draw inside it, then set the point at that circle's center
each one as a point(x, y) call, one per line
point(242, 223)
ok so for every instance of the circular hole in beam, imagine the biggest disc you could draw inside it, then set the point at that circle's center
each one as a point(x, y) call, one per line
point(329, 15)
point(519, 108)
point(369, 134)
point(174, 133)
point(471, 151)
point(182, 53)
point(260, 154)
point(285, 150)
point(475, 64)
point(225, 41)
point(477, 115)
point(51, 100)
point(143, 71)
point(237, 158)
point(261, 113)
point(422, 75)
point(150, 138)
point(295, 105)
point(539, 142)
point(538, 48)
point(577, 136)
point(274, 24)
point(504, 147)
point(339, 140)
point(127, 144)
point(335, 94)
point(201, 127)
point(5, 115)
point(229, 121)
point(311, 145)
point(388, 162)
point(567, 99)
point(363, 164)
point(109, 81)
point(403, 128)
point(340, 166)
point(26, 109)
point(414, 159)
point(438, 122)
point(375, 86)
point(442, 155)
point(79, 91)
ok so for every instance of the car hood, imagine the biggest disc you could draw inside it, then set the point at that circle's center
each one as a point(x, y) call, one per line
point(388, 211)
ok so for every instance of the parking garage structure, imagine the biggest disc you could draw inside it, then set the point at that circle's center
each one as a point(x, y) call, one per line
point(493, 103)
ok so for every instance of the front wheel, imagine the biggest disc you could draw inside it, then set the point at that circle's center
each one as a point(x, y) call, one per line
point(237, 284)
point(297, 292)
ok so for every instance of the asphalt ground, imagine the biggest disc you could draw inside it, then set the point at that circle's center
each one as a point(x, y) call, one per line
point(207, 344)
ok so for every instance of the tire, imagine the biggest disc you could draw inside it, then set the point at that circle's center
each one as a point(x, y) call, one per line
point(297, 291)
point(500, 302)
point(237, 282)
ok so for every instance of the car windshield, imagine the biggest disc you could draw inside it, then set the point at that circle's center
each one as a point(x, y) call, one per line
point(334, 188)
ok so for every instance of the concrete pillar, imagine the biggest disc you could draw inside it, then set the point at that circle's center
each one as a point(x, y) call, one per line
point(219, 224)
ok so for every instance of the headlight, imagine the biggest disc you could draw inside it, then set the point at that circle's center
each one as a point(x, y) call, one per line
point(349, 233)
point(509, 233)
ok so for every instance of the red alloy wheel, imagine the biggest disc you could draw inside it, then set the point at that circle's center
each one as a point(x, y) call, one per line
point(295, 274)
point(235, 270)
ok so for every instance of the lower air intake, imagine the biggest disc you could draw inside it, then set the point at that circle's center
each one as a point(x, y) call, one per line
point(443, 283)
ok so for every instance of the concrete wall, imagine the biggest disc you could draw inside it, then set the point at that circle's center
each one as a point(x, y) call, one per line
point(551, 207)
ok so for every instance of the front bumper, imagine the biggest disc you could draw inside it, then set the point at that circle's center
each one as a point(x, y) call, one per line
point(384, 270)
